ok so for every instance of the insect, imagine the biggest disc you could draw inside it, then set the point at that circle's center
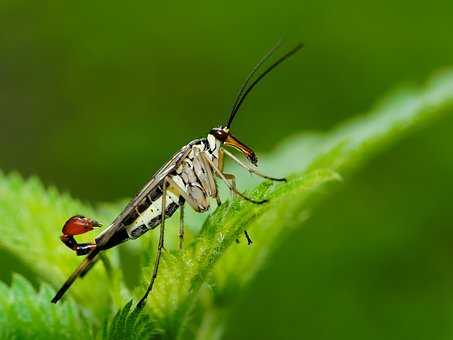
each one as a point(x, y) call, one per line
point(188, 178)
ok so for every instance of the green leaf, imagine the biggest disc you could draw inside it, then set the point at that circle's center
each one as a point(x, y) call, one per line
point(128, 324)
point(26, 314)
point(198, 284)
point(31, 218)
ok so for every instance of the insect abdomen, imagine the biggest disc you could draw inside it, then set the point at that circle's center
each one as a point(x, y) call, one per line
point(151, 217)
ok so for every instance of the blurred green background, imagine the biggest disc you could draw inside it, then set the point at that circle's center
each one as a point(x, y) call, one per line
point(95, 96)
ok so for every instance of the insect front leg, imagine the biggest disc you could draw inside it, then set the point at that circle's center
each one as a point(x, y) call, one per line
point(233, 189)
point(160, 245)
point(211, 187)
point(187, 198)
point(232, 179)
point(217, 199)
point(251, 169)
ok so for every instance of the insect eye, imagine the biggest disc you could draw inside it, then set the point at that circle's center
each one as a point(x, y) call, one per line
point(219, 134)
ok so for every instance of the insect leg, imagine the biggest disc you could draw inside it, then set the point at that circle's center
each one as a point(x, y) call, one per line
point(218, 201)
point(232, 179)
point(222, 176)
point(160, 245)
point(213, 189)
point(181, 192)
point(181, 225)
point(251, 169)
point(249, 240)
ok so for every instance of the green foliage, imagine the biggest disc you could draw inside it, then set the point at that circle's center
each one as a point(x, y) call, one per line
point(196, 286)
point(316, 164)
point(31, 219)
point(26, 314)
point(128, 324)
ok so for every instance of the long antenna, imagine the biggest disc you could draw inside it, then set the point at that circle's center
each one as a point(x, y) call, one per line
point(258, 79)
point(252, 73)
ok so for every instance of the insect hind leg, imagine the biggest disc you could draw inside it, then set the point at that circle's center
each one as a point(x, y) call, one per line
point(160, 246)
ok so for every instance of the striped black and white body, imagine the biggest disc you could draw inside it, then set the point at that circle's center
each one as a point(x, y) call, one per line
point(188, 178)
point(191, 179)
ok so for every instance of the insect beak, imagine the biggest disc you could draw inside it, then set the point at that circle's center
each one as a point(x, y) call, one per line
point(235, 143)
